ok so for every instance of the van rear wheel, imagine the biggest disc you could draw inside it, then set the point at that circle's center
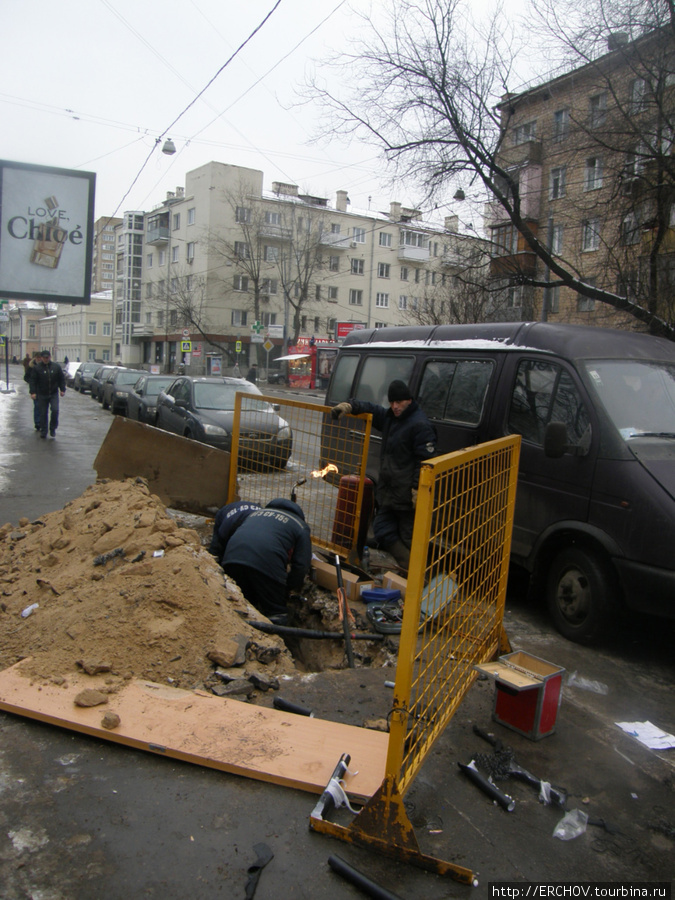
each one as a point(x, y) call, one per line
point(579, 593)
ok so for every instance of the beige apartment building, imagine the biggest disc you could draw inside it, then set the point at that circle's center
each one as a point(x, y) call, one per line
point(227, 265)
point(104, 254)
point(84, 332)
point(590, 155)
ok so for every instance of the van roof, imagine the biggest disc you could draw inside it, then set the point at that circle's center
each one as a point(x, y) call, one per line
point(570, 341)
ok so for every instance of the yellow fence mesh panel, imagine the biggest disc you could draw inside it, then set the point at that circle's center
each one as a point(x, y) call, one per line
point(454, 603)
point(317, 462)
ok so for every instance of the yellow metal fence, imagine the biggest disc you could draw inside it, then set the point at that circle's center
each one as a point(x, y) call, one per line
point(315, 461)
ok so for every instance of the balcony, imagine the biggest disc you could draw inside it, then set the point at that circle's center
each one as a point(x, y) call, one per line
point(409, 253)
point(335, 241)
point(521, 263)
point(142, 331)
point(275, 232)
point(157, 235)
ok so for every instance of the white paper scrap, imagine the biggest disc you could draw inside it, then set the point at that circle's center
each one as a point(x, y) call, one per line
point(649, 735)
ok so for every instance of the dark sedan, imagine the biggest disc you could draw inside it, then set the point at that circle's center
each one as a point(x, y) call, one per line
point(203, 409)
point(116, 388)
point(83, 375)
point(97, 380)
point(142, 398)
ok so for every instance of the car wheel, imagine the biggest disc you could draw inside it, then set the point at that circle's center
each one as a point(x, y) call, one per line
point(581, 594)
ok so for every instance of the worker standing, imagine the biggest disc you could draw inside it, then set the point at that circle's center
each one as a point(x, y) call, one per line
point(408, 438)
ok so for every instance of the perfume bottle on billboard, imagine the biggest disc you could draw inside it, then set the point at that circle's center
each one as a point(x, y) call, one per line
point(47, 247)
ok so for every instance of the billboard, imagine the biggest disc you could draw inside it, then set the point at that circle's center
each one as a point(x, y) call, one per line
point(342, 329)
point(46, 233)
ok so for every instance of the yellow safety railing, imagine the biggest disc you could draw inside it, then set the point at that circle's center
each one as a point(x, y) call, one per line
point(307, 457)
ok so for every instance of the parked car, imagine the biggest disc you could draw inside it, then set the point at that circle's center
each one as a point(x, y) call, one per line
point(203, 409)
point(116, 388)
point(97, 380)
point(83, 375)
point(69, 370)
point(276, 376)
point(595, 508)
point(142, 398)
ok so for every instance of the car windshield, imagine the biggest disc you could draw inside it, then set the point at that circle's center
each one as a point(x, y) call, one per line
point(638, 395)
point(154, 387)
point(127, 378)
point(221, 396)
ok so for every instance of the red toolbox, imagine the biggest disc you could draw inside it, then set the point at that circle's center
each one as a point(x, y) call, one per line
point(528, 693)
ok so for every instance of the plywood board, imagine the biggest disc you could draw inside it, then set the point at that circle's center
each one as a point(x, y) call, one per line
point(220, 733)
point(185, 474)
point(507, 675)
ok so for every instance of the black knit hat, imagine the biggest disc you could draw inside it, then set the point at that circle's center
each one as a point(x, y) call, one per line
point(398, 390)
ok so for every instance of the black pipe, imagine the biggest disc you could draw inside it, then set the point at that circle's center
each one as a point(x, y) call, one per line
point(271, 628)
point(287, 706)
point(349, 873)
point(487, 787)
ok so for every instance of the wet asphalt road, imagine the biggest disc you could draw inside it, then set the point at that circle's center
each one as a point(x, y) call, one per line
point(82, 819)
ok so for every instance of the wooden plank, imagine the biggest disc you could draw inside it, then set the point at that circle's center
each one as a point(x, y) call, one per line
point(220, 733)
point(508, 675)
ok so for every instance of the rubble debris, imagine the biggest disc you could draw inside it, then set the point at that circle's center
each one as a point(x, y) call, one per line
point(90, 697)
point(110, 720)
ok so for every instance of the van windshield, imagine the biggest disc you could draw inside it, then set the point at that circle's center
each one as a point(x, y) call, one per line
point(638, 395)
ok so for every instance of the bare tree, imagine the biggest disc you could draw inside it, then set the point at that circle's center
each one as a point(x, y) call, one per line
point(300, 262)
point(433, 90)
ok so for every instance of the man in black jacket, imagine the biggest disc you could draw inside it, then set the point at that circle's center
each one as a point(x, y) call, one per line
point(269, 555)
point(46, 382)
point(408, 438)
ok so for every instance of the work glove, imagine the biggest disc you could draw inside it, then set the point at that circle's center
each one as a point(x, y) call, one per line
point(342, 409)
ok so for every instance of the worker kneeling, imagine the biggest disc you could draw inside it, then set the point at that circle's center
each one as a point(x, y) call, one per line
point(269, 555)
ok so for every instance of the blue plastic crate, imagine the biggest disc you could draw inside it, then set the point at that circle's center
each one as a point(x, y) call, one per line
point(380, 595)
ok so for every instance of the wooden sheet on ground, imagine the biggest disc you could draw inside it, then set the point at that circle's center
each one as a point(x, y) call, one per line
point(185, 474)
point(220, 733)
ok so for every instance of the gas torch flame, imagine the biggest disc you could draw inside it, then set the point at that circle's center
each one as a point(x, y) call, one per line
point(321, 473)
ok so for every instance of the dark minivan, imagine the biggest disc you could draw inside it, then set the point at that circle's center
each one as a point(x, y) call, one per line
point(595, 510)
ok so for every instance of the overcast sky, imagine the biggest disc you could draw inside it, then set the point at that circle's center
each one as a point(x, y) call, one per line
point(92, 84)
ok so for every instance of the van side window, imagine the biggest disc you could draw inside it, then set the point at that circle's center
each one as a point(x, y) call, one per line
point(545, 393)
point(343, 378)
point(377, 374)
point(455, 391)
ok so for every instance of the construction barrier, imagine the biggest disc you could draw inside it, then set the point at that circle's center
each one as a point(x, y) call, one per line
point(320, 465)
point(452, 621)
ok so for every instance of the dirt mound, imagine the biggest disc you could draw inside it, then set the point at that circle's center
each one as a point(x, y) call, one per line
point(120, 586)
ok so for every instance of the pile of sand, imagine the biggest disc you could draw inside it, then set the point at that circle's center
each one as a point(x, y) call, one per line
point(120, 584)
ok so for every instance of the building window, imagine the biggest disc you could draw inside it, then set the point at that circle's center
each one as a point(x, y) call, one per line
point(590, 234)
point(382, 300)
point(268, 318)
point(189, 283)
point(148, 290)
point(335, 228)
point(385, 239)
point(585, 304)
point(552, 299)
point(357, 267)
point(404, 273)
point(242, 215)
point(190, 250)
point(107, 329)
point(597, 110)
point(173, 285)
point(331, 325)
point(355, 298)
point(557, 239)
point(176, 221)
point(241, 250)
point(191, 216)
point(638, 95)
point(271, 254)
point(92, 329)
point(513, 296)
point(272, 218)
point(630, 229)
point(175, 254)
point(593, 173)
point(162, 257)
point(334, 263)
point(556, 183)
point(269, 285)
point(149, 260)
point(561, 124)
point(383, 270)
point(317, 291)
point(525, 132)
point(239, 317)
point(505, 240)
point(240, 282)
point(403, 302)
point(413, 239)
point(359, 235)
point(333, 294)
point(417, 276)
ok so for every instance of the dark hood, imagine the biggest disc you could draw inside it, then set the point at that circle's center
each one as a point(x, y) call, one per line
point(288, 506)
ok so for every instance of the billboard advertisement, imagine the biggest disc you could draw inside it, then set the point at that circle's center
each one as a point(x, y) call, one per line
point(46, 233)
point(342, 329)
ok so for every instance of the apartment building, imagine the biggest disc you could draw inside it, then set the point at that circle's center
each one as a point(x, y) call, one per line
point(84, 332)
point(589, 154)
point(226, 264)
point(103, 259)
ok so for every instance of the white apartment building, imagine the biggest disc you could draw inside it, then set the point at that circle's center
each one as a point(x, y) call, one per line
point(224, 261)
point(84, 332)
point(104, 254)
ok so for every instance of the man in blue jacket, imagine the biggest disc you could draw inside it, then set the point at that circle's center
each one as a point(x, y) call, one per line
point(46, 382)
point(408, 438)
point(269, 555)
point(228, 519)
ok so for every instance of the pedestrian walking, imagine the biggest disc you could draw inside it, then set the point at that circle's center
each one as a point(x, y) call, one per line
point(252, 374)
point(47, 381)
point(28, 365)
point(408, 438)
point(269, 555)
